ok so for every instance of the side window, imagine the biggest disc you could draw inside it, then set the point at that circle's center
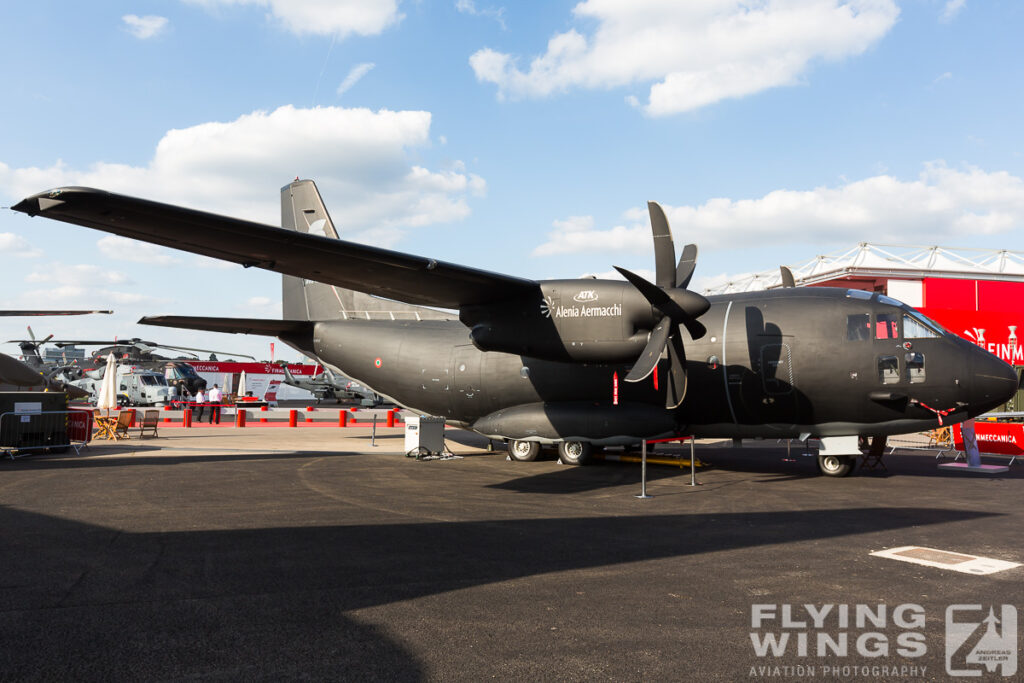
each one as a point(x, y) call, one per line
point(886, 326)
point(888, 370)
point(915, 367)
point(858, 327)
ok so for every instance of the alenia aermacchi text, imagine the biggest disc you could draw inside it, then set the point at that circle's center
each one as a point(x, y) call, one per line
point(539, 362)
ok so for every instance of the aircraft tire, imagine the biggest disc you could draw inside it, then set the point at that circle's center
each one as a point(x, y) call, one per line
point(836, 465)
point(523, 451)
point(575, 452)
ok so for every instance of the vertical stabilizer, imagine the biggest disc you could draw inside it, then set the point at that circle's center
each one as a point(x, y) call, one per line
point(302, 209)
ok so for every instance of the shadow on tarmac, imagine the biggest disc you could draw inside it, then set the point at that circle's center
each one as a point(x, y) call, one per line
point(84, 601)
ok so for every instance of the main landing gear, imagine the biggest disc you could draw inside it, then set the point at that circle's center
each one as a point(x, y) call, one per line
point(523, 451)
point(575, 452)
point(569, 452)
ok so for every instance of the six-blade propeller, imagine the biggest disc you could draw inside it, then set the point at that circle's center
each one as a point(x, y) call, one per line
point(677, 304)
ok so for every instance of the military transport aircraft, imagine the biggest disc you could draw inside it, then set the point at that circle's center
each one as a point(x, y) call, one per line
point(539, 362)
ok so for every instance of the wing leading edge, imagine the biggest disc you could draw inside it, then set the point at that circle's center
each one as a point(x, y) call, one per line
point(391, 274)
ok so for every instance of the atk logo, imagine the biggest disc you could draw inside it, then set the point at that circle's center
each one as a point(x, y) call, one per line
point(976, 641)
point(585, 296)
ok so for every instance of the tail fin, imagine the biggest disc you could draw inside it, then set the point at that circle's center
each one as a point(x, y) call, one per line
point(303, 210)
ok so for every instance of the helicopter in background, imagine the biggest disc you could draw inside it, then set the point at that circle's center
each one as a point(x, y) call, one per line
point(330, 385)
point(140, 354)
point(32, 371)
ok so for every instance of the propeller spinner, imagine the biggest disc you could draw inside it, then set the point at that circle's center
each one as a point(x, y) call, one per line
point(677, 304)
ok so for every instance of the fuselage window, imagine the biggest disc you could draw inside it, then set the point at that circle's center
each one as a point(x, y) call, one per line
point(858, 327)
point(915, 367)
point(888, 370)
point(917, 328)
point(887, 326)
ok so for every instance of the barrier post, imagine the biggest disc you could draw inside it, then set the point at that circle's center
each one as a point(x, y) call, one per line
point(239, 417)
point(343, 418)
point(293, 418)
point(186, 417)
point(167, 418)
point(391, 418)
point(263, 418)
point(309, 409)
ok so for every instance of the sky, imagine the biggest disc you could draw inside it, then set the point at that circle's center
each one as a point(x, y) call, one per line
point(523, 138)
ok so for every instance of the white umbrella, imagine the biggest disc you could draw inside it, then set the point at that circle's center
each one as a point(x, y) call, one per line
point(241, 384)
point(108, 389)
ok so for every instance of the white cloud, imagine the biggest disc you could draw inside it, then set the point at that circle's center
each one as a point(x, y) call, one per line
point(144, 27)
point(359, 158)
point(356, 73)
point(469, 7)
point(324, 17)
point(16, 245)
point(259, 307)
point(942, 203)
point(951, 9)
point(120, 249)
point(77, 275)
point(693, 53)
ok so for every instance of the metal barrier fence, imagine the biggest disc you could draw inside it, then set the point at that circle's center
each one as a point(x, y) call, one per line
point(53, 431)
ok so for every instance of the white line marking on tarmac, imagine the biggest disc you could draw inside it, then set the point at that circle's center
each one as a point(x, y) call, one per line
point(944, 559)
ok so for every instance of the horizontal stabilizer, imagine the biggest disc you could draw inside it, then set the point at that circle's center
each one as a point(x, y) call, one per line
point(268, 327)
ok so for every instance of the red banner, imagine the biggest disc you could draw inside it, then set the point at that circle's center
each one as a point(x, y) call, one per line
point(1001, 438)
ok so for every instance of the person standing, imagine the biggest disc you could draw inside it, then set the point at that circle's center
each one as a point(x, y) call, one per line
point(200, 405)
point(215, 398)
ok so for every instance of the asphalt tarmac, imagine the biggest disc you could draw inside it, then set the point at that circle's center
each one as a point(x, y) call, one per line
point(269, 554)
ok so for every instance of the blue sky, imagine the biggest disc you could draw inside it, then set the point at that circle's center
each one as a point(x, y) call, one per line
point(523, 137)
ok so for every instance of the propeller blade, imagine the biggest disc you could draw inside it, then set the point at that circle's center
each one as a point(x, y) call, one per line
point(695, 328)
point(648, 360)
point(664, 248)
point(675, 386)
point(687, 264)
point(651, 292)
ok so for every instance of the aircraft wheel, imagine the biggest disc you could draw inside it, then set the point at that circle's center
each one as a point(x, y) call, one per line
point(836, 465)
point(523, 451)
point(575, 452)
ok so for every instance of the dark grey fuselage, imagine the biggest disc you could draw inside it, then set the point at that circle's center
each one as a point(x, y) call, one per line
point(776, 364)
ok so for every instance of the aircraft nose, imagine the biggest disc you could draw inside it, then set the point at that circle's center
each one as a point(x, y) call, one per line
point(994, 383)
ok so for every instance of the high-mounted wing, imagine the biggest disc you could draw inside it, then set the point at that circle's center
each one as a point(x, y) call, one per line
point(391, 274)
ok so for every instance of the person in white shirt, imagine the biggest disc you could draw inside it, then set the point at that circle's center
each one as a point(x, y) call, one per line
point(215, 398)
point(200, 405)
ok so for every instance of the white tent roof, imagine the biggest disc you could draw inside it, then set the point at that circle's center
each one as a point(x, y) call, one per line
point(889, 260)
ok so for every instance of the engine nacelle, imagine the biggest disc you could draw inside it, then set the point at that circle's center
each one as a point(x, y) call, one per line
point(586, 321)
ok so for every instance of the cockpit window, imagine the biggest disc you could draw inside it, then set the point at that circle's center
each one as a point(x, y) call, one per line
point(883, 299)
point(887, 326)
point(859, 294)
point(918, 327)
point(858, 327)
